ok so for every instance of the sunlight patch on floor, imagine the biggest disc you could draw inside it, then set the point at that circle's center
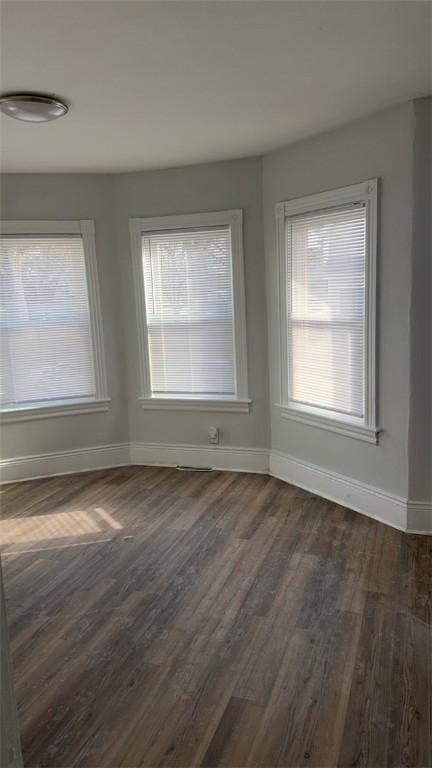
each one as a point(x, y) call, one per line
point(39, 528)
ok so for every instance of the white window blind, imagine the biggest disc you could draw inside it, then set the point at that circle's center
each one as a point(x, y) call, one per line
point(46, 343)
point(326, 298)
point(189, 312)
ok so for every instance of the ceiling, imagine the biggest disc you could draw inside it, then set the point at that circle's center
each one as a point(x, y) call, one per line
point(159, 84)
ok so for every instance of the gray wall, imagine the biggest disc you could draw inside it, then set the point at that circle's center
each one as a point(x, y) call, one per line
point(74, 196)
point(211, 187)
point(420, 431)
point(393, 145)
point(380, 146)
point(110, 201)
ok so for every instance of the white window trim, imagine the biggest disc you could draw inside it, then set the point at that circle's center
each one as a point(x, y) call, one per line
point(234, 220)
point(85, 228)
point(365, 192)
point(195, 404)
point(69, 408)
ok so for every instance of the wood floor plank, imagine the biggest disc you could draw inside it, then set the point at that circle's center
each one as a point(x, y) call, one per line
point(234, 734)
point(181, 619)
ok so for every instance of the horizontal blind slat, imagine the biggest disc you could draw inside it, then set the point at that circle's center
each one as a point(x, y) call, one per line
point(189, 311)
point(46, 345)
point(326, 309)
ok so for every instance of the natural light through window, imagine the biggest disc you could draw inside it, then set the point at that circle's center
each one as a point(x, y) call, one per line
point(327, 306)
point(327, 310)
point(46, 340)
point(191, 312)
point(51, 347)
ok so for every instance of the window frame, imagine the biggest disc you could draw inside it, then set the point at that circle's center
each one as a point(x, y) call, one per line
point(138, 227)
point(365, 193)
point(53, 408)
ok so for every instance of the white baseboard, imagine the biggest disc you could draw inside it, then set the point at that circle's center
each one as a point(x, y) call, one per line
point(64, 462)
point(218, 457)
point(370, 501)
point(419, 517)
point(411, 516)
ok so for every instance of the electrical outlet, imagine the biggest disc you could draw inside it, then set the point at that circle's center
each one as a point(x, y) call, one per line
point(213, 435)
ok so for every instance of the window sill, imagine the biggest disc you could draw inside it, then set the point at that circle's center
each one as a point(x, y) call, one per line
point(52, 411)
point(186, 404)
point(359, 432)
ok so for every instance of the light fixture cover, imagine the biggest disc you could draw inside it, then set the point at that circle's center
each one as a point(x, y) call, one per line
point(32, 108)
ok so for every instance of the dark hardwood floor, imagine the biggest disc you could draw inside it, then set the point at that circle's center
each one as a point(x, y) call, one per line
point(161, 618)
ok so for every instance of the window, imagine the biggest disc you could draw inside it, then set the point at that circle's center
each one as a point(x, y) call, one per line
point(327, 245)
point(50, 326)
point(191, 312)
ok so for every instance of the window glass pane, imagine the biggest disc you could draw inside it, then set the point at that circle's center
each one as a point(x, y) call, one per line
point(326, 309)
point(327, 367)
point(46, 346)
point(189, 309)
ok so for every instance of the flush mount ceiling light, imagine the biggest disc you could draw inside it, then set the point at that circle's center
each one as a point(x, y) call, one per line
point(32, 107)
